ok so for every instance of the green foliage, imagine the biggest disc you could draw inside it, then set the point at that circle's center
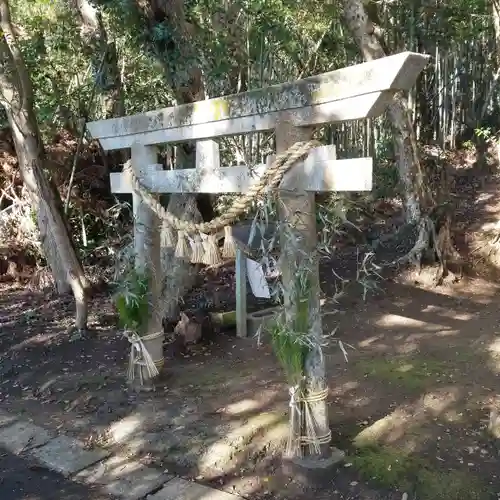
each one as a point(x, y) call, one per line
point(386, 180)
point(33, 216)
point(53, 56)
point(412, 373)
point(391, 468)
point(483, 133)
point(131, 301)
point(238, 45)
point(291, 341)
point(450, 485)
point(290, 351)
point(62, 73)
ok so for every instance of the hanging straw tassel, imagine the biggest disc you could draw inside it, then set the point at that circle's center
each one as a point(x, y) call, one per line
point(229, 248)
point(198, 250)
point(212, 255)
point(182, 248)
point(167, 235)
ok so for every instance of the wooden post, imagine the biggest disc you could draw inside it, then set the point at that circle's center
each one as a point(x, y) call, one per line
point(241, 293)
point(298, 211)
point(147, 233)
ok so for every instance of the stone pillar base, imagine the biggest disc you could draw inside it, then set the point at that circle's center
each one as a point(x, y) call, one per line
point(310, 470)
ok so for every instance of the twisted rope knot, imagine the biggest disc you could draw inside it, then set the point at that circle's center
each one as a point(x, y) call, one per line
point(271, 178)
point(296, 439)
point(206, 251)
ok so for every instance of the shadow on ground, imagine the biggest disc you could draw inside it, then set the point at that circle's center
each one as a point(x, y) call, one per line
point(417, 390)
point(21, 479)
point(411, 405)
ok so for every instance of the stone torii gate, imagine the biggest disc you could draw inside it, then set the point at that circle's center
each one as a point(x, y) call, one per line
point(360, 91)
point(291, 109)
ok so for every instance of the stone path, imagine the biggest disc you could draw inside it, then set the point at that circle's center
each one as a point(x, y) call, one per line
point(21, 478)
point(114, 475)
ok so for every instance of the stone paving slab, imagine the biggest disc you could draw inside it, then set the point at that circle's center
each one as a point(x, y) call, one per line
point(6, 419)
point(128, 480)
point(116, 476)
point(180, 489)
point(22, 436)
point(67, 456)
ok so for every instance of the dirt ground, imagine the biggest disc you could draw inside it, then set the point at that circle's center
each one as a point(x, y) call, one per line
point(411, 406)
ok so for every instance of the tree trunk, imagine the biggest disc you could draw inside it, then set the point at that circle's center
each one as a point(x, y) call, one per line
point(17, 98)
point(365, 32)
point(104, 59)
point(97, 45)
point(49, 245)
point(433, 233)
point(432, 218)
point(178, 56)
point(495, 4)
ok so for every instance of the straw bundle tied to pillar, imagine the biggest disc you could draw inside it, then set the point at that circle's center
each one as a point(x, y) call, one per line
point(291, 344)
point(197, 242)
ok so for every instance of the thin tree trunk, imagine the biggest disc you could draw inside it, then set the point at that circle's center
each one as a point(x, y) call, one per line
point(97, 44)
point(434, 234)
point(16, 95)
point(105, 66)
point(365, 34)
point(49, 246)
point(178, 56)
point(495, 4)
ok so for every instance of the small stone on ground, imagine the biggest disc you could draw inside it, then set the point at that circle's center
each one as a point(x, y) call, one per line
point(67, 456)
point(179, 489)
point(22, 436)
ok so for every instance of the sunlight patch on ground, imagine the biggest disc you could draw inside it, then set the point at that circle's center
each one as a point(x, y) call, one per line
point(266, 430)
point(246, 485)
point(410, 344)
point(405, 368)
point(340, 390)
point(243, 406)
point(398, 321)
point(448, 313)
point(453, 416)
point(475, 292)
point(41, 338)
point(402, 302)
point(358, 402)
point(494, 351)
point(437, 401)
point(404, 425)
point(387, 429)
point(123, 430)
point(248, 405)
point(448, 333)
point(370, 340)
